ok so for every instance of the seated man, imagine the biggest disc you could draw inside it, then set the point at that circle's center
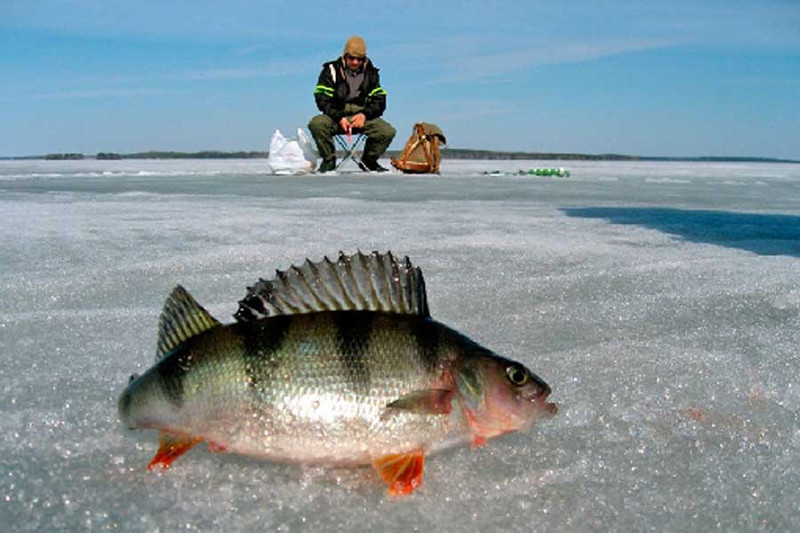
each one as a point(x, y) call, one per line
point(351, 99)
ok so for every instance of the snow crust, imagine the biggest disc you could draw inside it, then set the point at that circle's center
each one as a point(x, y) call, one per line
point(661, 301)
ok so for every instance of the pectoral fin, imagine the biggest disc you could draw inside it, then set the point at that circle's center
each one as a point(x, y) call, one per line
point(426, 402)
point(402, 473)
point(169, 449)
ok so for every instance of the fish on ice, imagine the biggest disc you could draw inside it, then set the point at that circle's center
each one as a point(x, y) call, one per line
point(333, 363)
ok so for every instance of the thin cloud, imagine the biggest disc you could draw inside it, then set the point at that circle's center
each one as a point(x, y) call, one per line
point(451, 110)
point(274, 69)
point(91, 94)
point(491, 65)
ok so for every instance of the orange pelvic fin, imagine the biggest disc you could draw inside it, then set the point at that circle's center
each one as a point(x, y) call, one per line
point(402, 473)
point(169, 449)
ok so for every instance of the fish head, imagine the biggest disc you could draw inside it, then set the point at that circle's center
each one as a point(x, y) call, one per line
point(500, 395)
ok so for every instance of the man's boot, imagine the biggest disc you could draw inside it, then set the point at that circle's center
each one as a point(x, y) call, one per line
point(327, 165)
point(372, 165)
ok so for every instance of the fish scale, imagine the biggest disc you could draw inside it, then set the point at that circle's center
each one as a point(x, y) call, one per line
point(329, 386)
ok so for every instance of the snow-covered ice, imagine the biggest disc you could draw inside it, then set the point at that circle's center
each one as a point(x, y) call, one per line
point(661, 301)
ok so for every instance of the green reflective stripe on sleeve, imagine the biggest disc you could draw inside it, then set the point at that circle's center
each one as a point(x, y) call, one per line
point(377, 91)
point(322, 89)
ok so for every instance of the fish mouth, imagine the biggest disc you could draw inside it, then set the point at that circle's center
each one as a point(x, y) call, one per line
point(550, 408)
point(546, 409)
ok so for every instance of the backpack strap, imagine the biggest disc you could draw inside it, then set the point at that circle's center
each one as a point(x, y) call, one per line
point(421, 152)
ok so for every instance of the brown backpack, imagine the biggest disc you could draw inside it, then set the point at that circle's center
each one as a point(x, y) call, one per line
point(421, 154)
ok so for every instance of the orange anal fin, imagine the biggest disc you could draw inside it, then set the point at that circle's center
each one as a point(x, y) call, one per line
point(402, 473)
point(169, 449)
point(217, 448)
point(478, 441)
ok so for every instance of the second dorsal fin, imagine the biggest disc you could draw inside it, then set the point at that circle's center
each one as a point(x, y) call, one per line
point(359, 282)
point(181, 319)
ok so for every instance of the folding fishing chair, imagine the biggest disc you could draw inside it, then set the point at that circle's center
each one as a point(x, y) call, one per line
point(350, 151)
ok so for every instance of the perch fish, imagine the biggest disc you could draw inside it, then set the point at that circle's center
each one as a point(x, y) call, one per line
point(332, 363)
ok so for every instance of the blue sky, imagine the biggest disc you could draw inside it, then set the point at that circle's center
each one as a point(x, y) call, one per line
point(661, 78)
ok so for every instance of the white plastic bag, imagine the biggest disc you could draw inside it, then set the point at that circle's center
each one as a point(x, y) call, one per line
point(291, 156)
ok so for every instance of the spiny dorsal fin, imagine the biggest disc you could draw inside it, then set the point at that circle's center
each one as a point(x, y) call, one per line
point(374, 282)
point(181, 319)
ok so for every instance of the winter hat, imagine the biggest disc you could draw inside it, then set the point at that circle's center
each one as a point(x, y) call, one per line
point(355, 46)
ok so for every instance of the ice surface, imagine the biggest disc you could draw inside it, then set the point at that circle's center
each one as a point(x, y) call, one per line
point(661, 301)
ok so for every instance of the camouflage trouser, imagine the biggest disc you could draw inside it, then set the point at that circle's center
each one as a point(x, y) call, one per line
point(379, 135)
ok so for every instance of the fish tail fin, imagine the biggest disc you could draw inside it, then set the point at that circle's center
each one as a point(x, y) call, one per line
point(169, 449)
point(402, 472)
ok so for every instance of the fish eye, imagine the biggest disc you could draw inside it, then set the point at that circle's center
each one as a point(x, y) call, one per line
point(517, 375)
point(133, 378)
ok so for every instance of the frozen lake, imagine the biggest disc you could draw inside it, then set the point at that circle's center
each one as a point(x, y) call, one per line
point(661, 301)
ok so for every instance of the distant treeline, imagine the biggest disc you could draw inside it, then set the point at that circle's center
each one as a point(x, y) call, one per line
point(206, 154)
point(447, 153)
point(461, 153)
point(61, 157)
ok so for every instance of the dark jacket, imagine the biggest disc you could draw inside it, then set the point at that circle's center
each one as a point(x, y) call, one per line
point(332, 91)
